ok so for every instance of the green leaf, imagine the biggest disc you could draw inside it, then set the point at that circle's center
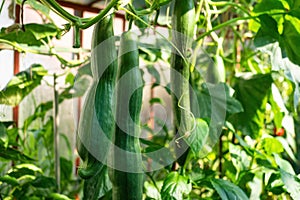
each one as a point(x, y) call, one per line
point(287, 148)
point(197, 138)
point(252, 91)
point(244, 178)
point(3, 135)
point(97, 186)
point(25, 179)
point(268, 32)
point(69, 79)
point(272, 145)
point(151, 191)
point(227, 190)
point(284, 164)
point(21, 85)
point(66, 167)
point(290, 40)
point(24, 169)
point(154, 151)
point(30, 167)
point(175, 186)
point(269, 6)
point(292, 184)
point(140, 24)
point(9, 180)
point(13, 154)
point(84, 70)
point(239, 157)
point(32, 36)
point(79, 88)
point(206, 97)
point(214, 103)
point(43, 182)
point(264, 161)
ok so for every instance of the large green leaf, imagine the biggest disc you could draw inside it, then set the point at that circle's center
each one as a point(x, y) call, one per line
point(252, 91)
point(227, 190)
point(33, 34)
point(222, 101)
point(30, 169)
point(9, 154)
point(214, 103)
point(286, 23)
point(175, 186)
point(22, 84)
point(290, 40)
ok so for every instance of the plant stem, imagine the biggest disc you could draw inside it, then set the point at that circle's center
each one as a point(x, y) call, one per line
point(102, 14)
point(229, 22)
point(2, 4)
point(60, 11)
point(225, 3)
point(232, 21)
point(56, 134)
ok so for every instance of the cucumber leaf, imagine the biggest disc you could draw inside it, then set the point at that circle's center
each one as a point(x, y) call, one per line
point(175, 186)
point(22, 84)
point(252, 91)
point(228, 190)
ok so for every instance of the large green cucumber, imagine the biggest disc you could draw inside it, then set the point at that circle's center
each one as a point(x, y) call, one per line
point(127, 178)
point(182, 34)
point(96, 126)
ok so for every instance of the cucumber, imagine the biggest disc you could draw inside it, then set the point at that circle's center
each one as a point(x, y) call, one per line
point(182, 34)
point(96, 126)
point(127, 176)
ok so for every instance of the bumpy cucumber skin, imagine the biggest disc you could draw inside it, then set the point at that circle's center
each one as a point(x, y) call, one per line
point(127, 185)
point(182, 34)
point(99, 108)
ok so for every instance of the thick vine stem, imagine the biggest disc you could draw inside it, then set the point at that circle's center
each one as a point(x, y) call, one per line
point(100, 16)
point(82, 23)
